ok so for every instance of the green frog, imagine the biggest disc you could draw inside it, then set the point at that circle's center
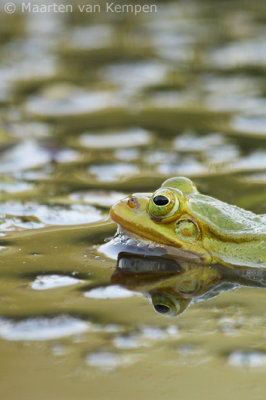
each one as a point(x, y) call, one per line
point(178, 220)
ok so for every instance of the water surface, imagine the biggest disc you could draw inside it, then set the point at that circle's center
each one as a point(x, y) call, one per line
point(94, 107)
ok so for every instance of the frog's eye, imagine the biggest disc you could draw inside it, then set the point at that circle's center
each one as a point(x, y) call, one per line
point(160, 200)
point(165, 304)
point(163, 203)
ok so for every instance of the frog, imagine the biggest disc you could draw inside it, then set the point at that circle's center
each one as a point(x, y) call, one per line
point(172, 285)
point(178, 220)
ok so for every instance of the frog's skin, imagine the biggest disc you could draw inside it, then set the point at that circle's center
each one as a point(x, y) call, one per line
point(193, 226)
point(172, 285)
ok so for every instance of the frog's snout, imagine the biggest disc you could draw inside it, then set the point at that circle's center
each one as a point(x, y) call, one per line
point(130, 203)
point(122, 207)
point(128, 209)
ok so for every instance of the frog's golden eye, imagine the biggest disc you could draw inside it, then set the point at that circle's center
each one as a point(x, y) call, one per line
point(165, 304)
point(163, 204)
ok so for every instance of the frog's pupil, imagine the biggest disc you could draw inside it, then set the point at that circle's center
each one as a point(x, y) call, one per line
point(161, 308)
point(160, 200)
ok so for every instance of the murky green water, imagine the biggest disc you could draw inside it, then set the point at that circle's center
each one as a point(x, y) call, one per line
point(94, 106)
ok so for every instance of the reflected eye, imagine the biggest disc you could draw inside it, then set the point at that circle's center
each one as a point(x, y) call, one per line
point(162, 308)
point(163, 204)
point(165, 304)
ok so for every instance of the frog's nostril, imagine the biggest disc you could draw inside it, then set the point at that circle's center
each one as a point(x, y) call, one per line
point(132, 202)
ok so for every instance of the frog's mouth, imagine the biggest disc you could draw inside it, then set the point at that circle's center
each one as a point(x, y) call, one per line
point(126, 242)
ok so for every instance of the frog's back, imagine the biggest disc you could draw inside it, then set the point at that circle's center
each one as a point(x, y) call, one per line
point(230, 233)
point(227, 220)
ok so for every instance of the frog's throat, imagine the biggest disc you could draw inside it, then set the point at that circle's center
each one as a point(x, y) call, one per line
point(171, 248)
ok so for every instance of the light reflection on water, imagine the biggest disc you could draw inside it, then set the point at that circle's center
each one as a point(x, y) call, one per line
point(94, 107)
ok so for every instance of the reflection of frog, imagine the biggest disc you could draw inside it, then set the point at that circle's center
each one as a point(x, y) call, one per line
point(193, 227)
point(172, 285)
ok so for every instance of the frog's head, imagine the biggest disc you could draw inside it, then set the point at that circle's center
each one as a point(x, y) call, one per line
point(193, 226)
point(164, 217)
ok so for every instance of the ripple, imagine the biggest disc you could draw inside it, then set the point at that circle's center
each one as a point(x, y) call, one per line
point(126, 342)
point(127, 154)
point(189, 166)
point(23, 156)
point(30, 69)
point(112, 172)
point(67, 103)
point(189, 141)
point(254, 161)
point(29, 154)
point(98, 197)
point(57, 215)
point(11, 223)
point(15, 187)
point(42, 328)
point(106, 361)
point(45, 282)
point(244, 53)
point(127, 138)
point(154, 333)
point(135, 74)
point(89, 38)
point(146, 336)
point(109, 292)
point(251, 125)
point(250, 359)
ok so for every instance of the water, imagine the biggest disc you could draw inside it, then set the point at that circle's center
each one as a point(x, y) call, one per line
point(94, 106)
